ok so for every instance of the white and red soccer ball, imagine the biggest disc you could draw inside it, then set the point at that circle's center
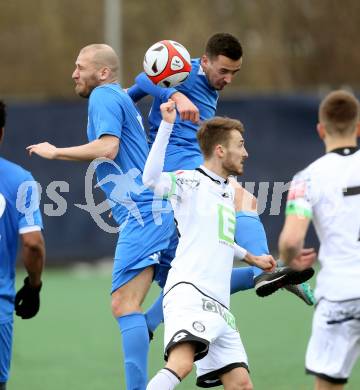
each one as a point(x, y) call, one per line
point(167, 63)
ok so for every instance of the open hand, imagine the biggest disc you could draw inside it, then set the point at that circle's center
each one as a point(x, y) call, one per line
point(44, 150)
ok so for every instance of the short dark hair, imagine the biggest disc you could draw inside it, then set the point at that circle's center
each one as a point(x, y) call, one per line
point(2, 114)
point(224, 44)
point(339, 112)
point(216, 131)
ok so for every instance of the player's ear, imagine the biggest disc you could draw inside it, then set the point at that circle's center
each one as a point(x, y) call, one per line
point(204, 61)
point(104, 73)
point(321, 130)
point(219, 150)
point(1, 134)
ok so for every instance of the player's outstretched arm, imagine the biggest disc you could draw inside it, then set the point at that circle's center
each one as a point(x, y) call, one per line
point(265, 262)
point(106, 146)
point(136, 93)
point(153, 175)
point(27, 299)
point(147, 86)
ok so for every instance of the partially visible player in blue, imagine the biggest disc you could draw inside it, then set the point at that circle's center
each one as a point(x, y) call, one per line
point(115, 132)
point(196, 100)
point(19, 216)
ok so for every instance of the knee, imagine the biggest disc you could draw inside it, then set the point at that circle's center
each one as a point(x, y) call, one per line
point(123, 303)
point(241, 384)
point(182, 366)
point(2, 386)
point(183, 369)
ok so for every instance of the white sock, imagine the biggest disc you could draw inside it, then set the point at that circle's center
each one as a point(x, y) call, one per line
point(165, 379)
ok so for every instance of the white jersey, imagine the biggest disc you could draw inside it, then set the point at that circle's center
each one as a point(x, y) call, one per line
point(203, 205)
point(328, 192)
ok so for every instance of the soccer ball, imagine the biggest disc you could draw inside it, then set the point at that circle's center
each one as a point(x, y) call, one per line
point(167, 63)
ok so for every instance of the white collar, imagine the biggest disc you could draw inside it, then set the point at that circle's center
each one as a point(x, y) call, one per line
point(214, 176)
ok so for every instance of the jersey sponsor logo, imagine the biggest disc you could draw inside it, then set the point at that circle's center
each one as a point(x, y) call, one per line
point(198, 326)
point(227, 222)
point(191, 183)
point(212, 306)
point(2, 205)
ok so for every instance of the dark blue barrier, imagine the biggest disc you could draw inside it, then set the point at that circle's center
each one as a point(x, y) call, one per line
point(280, 138)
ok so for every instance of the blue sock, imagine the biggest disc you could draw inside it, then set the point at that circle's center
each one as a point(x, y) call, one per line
point(135, 338)
point(250, 234)
point(154, 315)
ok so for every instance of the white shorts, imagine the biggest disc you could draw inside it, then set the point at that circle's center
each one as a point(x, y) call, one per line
point(334, 345)
point(190, 316)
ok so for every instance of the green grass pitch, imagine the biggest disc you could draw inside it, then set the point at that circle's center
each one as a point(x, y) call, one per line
point(74, 342)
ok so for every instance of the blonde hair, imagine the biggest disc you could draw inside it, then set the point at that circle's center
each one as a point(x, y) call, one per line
point(216, 131)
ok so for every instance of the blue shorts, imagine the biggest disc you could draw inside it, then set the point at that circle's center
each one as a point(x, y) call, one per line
point(6, 332)
point(141, 246)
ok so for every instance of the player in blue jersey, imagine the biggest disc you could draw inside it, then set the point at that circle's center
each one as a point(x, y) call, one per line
point(117, 140)
point(19, 216)
point(196, 99)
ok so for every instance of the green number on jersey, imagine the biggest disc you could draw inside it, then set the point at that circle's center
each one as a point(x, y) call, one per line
point(227, 222)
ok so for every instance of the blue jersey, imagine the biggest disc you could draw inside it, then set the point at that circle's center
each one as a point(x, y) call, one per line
point(19, 214)
point(112, 112)
point(183, 151)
